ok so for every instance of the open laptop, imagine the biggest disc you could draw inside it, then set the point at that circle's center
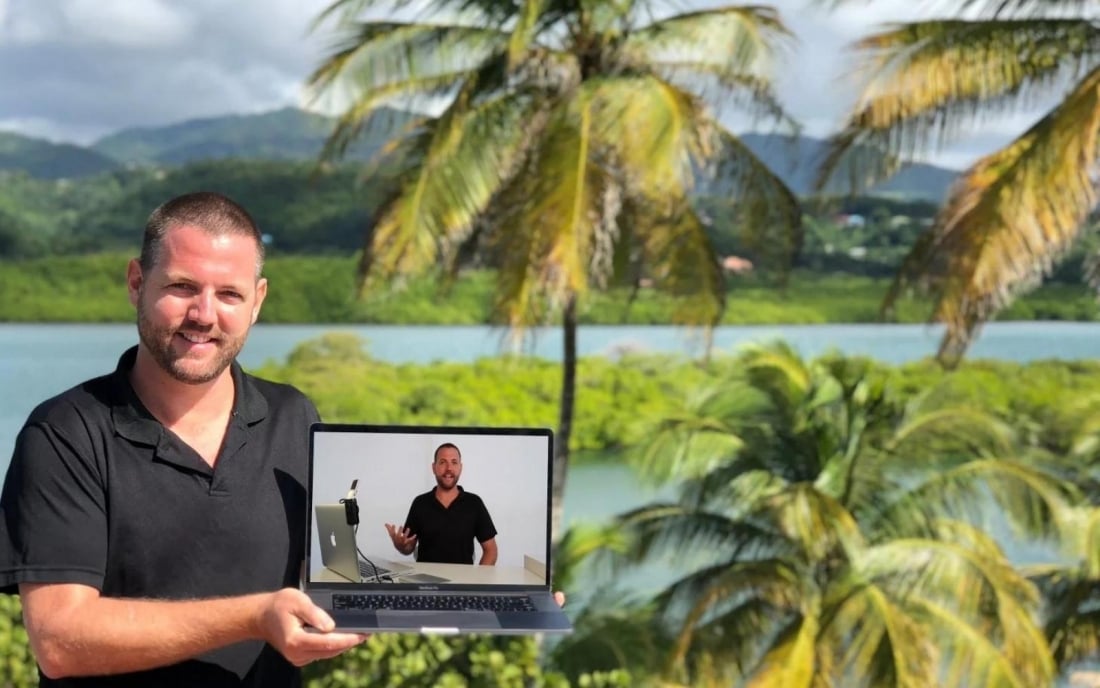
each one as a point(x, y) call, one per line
point(339, 554)
point(509, 469)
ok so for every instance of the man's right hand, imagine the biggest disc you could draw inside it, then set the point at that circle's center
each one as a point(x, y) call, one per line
point(300, 630)
point(75, 631)
point(404, 541)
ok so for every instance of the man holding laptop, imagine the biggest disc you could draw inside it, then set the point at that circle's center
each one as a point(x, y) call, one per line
point(154, 520)
point(444, 522)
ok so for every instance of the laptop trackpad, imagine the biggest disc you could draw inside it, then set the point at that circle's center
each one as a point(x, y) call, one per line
point(417, 619)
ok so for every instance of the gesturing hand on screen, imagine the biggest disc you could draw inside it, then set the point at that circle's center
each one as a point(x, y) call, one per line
point(404, 541)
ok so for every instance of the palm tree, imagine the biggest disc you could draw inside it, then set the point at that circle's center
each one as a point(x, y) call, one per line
point(1071, 592)
point(573, 138)
point(830, 536)
point(1015, 212)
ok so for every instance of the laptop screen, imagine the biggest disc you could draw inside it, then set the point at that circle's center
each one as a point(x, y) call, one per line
point(387, 468)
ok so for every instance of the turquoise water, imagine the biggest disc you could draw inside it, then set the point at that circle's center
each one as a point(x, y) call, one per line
point(38, 361)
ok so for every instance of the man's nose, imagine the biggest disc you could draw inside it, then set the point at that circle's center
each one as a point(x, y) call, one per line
point(202, 308)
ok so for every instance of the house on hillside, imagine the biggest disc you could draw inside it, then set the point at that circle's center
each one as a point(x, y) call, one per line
point(736, 264)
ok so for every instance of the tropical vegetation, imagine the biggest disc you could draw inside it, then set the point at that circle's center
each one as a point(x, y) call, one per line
point(830, 535)
point(1017, 211)
point(322, 289)
point(833, 494)
point(566, 156)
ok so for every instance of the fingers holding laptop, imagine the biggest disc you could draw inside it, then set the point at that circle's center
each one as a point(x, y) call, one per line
point(404, 540)
point(301, 631)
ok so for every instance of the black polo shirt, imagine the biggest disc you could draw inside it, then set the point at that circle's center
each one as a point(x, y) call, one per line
point(100, 493)
point(446, 534)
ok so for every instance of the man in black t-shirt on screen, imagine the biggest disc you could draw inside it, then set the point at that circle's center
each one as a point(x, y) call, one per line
point(444, 522)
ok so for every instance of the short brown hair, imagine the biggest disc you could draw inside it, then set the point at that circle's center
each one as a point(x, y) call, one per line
point(435, 454)
point(208, 210)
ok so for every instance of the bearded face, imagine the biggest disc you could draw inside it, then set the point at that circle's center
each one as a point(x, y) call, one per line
point(197, 303)
point(447, 468)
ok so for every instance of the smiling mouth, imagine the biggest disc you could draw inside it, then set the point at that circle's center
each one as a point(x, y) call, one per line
point(194, 338)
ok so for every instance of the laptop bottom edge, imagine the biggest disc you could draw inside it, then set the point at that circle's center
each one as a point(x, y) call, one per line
point(548, 617)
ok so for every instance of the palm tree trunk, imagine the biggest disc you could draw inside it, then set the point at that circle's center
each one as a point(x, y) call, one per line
point(565, 417)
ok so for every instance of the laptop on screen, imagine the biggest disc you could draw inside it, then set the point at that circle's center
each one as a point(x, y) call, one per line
point(494, 498)
point(339, 553)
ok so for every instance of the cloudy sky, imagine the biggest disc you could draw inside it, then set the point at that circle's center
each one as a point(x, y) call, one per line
point(75, 70)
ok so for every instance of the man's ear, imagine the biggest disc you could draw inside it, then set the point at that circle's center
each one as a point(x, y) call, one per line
point(261, 294)
point(134, 280)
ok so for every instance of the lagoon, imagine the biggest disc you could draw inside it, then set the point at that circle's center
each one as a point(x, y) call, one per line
point(40, 360)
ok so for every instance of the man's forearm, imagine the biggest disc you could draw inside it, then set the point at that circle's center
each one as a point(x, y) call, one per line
point(111, 635)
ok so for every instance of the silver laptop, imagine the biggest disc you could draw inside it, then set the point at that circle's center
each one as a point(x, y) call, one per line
point(364, 477)
point(340, 554)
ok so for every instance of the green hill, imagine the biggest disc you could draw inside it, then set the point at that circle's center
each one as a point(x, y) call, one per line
point(45, 160)
point(286, 134)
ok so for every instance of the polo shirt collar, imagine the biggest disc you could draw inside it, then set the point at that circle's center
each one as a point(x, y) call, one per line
point(134, 422)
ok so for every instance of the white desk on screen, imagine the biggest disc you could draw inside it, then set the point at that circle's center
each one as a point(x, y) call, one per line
point(531, 574)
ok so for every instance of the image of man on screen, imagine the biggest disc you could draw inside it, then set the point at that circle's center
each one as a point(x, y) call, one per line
point(444, 522)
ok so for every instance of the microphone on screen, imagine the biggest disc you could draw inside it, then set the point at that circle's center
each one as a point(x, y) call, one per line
point(351, 505)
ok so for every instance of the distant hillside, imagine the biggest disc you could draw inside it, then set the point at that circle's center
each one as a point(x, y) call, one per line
point(291, 134)
point(286, 134)
point(45, 160)
point(796, 159)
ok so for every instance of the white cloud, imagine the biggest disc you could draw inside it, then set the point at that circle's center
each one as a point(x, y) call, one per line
point(152, 24)
point(79, 69)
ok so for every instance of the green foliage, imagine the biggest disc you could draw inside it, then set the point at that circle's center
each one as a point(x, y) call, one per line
point(820, 519)
point(17, 667)
point(300, 206)
point(316, 288)
point(349, 386)
point(425, 662)
point(806, 427)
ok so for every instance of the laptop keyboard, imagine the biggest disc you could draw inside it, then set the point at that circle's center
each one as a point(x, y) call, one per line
point(486, 603)
point(368, 571)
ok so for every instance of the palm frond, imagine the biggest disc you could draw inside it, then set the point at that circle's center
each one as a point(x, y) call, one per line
point(927, 80)
point(660, 530)
point(972, 655)
point(931, 434)
point(971, 589)
point(729, 603)
point(778, 371)
point(683, 262)
point(875, 639)
point(657, 132)
point(791, 660)
point(820, 525)
point(560, 199)
point(524, 30)
point(579, 544)
point(732, 40)
point(1032, 499)
point(766, 210)
point(1009, 218)
point(752, 96)
point(463, 159)
point(704, 435)
point(612, 638)
point(1026, 8)
point(371, 55)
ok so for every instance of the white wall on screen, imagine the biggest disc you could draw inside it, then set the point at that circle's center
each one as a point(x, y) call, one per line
point(508, 472)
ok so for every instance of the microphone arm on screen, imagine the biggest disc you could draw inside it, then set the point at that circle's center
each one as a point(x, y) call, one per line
point(351, 504)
